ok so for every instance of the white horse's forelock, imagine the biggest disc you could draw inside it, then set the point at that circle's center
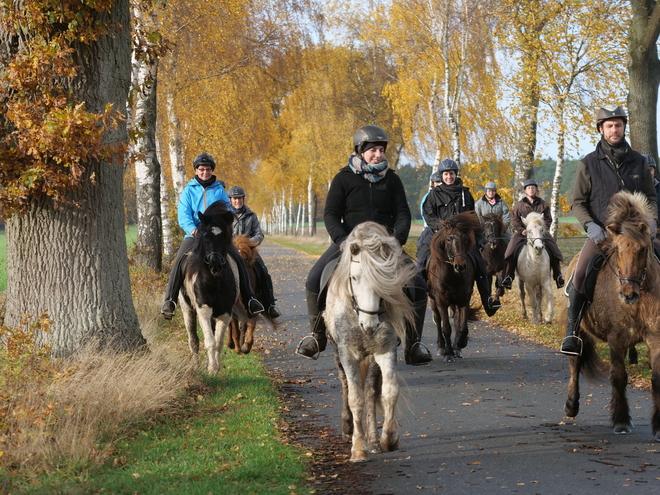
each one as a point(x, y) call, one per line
point(383, 264)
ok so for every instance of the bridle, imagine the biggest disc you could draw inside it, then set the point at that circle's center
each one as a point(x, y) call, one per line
point(356, 306)
point(209, 256)
point(617, 273)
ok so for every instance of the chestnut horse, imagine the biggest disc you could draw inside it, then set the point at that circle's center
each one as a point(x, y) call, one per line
point(451, 281)
point(494, 249)
point(240, 336)
point(366, 315)
point(625, 309)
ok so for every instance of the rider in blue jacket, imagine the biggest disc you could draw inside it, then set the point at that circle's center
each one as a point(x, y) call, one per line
point(203, 190)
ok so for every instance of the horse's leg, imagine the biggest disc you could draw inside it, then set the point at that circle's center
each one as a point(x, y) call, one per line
point(205, 314)
point(461, 330)
point(190, 320)
point(356, 404)
point(372, 390)
point(535, 294)
point(233, 336)
point(572, 406)
point(221, 325)
point(248, 332)
point(654, 355)
point(498, 283)
point(346, 415)
point(620, 411)
point(550, 303)
point(521, 293)
point(389, 439)
point(445, 334)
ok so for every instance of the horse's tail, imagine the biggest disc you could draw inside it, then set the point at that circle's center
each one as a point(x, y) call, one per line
point(592, 367)
point(473, 314)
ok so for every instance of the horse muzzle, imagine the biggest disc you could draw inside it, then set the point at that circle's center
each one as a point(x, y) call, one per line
point(629, 297)
point(216, 262)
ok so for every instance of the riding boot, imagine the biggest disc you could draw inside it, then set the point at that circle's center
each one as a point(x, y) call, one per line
point(175, 281)
point(416, 353)
point(312, 345)
point(572, 343)
point(556, 272)
point(267, 292)
point(251, 303)
point(509, 273)
point(490, 303)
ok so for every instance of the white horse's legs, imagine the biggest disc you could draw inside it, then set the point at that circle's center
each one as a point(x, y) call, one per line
point(356, 403)
point(221, 325)
point(389, 439)
point(521, 293)
point(204, 314)
point(550, 303)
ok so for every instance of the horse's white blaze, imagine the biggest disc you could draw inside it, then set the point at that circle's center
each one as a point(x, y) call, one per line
point(366, 298)
point(216, 230)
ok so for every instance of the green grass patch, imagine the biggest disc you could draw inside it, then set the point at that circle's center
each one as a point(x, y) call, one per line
point(309, 246)
point(228, 441)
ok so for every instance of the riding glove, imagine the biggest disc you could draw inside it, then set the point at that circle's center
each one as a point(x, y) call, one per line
point(595, 232)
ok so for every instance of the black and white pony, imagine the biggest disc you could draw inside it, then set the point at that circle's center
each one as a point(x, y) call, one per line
point(366, 315)
point(211, 284)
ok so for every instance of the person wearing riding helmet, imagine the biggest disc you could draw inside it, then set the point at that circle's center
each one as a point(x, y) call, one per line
point(612, 167)
point(203, 190)
point(491, 202)
point(247, 223)
point(529, 203)
point(446, 199)
point(427, 233)
point(653, 167)
point(364, 190)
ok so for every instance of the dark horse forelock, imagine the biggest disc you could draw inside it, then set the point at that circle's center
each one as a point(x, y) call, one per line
point(495, 220)
point(466, 223)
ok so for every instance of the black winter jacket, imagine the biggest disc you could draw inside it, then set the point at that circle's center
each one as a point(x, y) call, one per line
point(352, 200)
point(444, 201)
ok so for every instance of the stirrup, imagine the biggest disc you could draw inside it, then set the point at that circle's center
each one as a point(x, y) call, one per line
point(428, 354)
point(494, 302)
point(316, 355)
point(507, 282)
point(260, 307)
point(570, 352)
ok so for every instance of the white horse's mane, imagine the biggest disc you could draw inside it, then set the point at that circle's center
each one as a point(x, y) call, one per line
point(534, 218)
point(385, 266)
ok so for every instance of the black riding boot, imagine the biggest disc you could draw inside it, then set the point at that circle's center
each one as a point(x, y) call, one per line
point(175, 281)
point(312, 345)
point(416, 353)
point(267, 292)
point(491, 304)
point(251, 303)
point(556, 271)
point(572, 344)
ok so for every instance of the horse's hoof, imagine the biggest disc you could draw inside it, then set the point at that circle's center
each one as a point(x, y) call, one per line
point(458, 354)
point(374, 448)
point(622, 430)
point(448, 359)
point(389, 446)
point(440, 352)
point(656, 436)
point(359, 456)
point(571, 409)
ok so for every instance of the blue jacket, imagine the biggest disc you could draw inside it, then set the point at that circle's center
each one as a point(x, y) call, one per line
point(195, 198)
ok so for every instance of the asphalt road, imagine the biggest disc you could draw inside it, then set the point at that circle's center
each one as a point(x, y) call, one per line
point(492, 422)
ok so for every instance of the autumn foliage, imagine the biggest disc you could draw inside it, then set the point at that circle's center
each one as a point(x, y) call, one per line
point(47, 135)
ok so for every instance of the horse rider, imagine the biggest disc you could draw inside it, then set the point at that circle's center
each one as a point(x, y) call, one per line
point(531, 202)
point(203, 190)
point(247, 223)
point(612, 167)
point(656, 183)
point(446, 199)
point(427, 233)
point(491, 202)
point(365, 190)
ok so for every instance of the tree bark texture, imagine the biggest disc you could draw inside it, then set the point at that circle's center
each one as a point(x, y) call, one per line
point(69, 261)
point(644, 74)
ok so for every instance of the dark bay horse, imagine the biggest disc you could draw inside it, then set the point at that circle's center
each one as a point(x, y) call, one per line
point(451, 281)
point(366, 315)
point(240, 336)
point(625, 309)
point(210, 287)
point(494, 249)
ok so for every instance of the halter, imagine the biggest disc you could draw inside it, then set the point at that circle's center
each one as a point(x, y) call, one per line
point(356, 306)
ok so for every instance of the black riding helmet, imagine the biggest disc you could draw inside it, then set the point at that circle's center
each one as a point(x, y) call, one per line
point(367, 137)
point(204, 159)
point(236, 192)
point(608, 112)
point(448, 164)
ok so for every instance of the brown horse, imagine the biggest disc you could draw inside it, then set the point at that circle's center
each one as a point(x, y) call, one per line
point(240, 336)
point(451, 281)
point(494, 249)
point(625, 309)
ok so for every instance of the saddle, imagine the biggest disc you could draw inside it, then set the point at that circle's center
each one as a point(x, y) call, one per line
point(325, 280)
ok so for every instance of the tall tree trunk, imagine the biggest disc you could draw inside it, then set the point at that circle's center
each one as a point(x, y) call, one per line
point(71, 261)
point(644, 73)
point(526, 146)
point(559, 170)
point(311, 206)
point(177, 167)
point(147, 168)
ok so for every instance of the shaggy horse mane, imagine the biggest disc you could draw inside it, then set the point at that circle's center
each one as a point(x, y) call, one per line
point(467, 223)
point(627, 214)
point(534, 218)
point(495, 218)
point(385, 265)
point(245, 245)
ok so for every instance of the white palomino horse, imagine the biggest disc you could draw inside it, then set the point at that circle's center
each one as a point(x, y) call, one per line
point(533, 271)
point(366, 315)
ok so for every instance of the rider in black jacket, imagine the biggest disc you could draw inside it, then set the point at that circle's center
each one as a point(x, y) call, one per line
point(365, 190)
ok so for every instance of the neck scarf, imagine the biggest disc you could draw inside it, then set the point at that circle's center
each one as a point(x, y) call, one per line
point(206, 183)
point(234, 210)
point(372, 173)
point(617, 153)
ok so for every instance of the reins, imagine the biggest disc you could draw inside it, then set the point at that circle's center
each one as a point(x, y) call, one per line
point(356, 306)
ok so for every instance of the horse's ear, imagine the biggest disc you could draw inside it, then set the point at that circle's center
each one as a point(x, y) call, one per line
point(524, 221)
point(355, 249)
point(228, 217)
point(202, 218)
